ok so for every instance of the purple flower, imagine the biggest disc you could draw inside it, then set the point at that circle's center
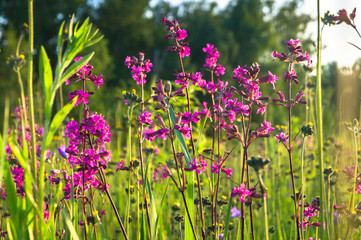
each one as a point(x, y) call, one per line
point(199, 167)
point(185, 130)
point(121, 167)
point(181, 34)
point(139, 67)
point(82, 97)
point(242, 192)
point(282, 137)
point(235, 212)
point(62, 152)
point(160, 173)
point(162, 133)
point(228, 172)
point(269, 78)
point(149, 133)
point(144, 118)
point(184, 51)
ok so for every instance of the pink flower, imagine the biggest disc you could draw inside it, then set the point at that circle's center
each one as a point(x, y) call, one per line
point(181, 34)
point(228, 172)
point(184, 51)
point(242, 192)
point(282, 137)
point(160, 173)
point(144, 118)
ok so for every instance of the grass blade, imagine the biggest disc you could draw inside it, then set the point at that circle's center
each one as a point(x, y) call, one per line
point(46, 75)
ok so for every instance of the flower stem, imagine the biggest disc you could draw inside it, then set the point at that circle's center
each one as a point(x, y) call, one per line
point(116, 212)
point(303, 185)
point(130, 114)
point(352, 202)
point(295, 199)
point(319, 116)
point(141, 158)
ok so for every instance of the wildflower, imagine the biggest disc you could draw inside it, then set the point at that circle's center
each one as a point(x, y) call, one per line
point(269, 78)
point(181, 34)
point(121, 167)
point(199, 167)
point(62, 152)
point(282, 137)
point(291, 76)
point(144, 118)
point(185, 130)
point(178, 34)
point(82, 97)
point(228, 172)
point(139, 67)
point(211, 60)
point(235, 212)
point(343, 17)
point(242, 192)
point(161, 172)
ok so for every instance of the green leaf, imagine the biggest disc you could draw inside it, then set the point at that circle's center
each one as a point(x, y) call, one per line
point(159, 213)
point(46, 76)
point(60, 39)
point(57, 120)
point(180, 138)
point(70, 225)
point(190, 178)
point(92, 42)
point(70, 30)
point(190, 202)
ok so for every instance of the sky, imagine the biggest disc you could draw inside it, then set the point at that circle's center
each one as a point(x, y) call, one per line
point(334, 38)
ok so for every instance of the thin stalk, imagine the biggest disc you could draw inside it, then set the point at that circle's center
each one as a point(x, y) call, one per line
point(219, 163)
point(39, 231)
point(212, 155)
point(85, 218)
point(201, 213)
point(116, 213)
point(303, 185)
point(141, 157)
point(188, 214)
point(289, 149)
point(352, 202)
point(130, 114)
point(265, 216)
point(250, 206)
point(319, 116)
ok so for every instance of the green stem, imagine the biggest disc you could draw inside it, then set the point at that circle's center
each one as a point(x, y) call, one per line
point(303, 185)
point(319, 117)
point(130, 114)
point(39, 231)
point(352, 203)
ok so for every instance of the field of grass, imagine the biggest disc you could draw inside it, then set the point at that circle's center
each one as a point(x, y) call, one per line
point(190, 157)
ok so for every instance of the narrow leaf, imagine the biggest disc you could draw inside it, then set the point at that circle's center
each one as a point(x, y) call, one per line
point(46, 76)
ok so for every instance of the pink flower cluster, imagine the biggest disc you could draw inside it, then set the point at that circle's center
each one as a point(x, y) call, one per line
point(140, 67)
point(296, 53)
point(85, 74)
point(160, 173)
point(211, 60)
point(175, 31)
point(242, 192)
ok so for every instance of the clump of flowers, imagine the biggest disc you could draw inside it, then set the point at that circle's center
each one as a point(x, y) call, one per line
point(140, 67)
point(310, 211)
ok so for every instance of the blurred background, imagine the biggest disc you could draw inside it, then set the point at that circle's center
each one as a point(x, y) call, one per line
point(244, 31)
